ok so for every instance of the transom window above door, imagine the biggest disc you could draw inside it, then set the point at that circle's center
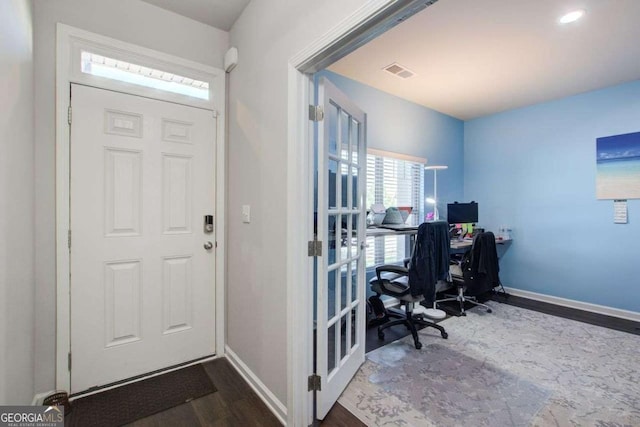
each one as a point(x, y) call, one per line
point(106, 63)
point(115, 69)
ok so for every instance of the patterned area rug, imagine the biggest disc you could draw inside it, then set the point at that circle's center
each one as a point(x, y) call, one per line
point(513, 367)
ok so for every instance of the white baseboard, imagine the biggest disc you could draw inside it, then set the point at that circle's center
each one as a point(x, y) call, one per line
point(593, 308)
point(269, 399)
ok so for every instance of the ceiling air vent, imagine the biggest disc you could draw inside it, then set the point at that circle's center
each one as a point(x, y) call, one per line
point(399, 70)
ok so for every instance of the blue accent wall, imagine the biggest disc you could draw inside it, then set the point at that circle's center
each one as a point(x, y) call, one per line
point(534, 169)
point(394, 124)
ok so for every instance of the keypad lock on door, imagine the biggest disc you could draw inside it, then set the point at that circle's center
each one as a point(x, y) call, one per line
point(208, 223)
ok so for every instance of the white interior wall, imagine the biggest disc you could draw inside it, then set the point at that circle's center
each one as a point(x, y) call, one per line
point(16, 203)
point(132, 21)
point(267, 35)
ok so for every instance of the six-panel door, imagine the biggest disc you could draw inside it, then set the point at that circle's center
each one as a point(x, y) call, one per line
point(142, 282)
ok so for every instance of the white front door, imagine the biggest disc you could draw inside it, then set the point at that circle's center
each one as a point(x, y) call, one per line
point(340, 308)
point(142, 268)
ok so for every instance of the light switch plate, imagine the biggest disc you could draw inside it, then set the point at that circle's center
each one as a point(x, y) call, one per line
point(246, 214)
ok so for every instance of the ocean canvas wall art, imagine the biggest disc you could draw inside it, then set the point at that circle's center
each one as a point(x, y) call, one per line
point(618, 166)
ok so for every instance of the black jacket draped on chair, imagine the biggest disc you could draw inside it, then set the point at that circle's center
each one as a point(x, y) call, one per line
point(429, 260)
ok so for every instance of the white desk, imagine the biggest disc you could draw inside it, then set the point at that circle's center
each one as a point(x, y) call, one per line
point(461, 244)
point(456, 245)
point(379, 231)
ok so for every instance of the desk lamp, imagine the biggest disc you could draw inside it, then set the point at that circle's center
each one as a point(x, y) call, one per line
point(434, 200)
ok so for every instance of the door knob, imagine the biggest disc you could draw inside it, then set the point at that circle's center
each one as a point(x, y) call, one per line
point(208, 246)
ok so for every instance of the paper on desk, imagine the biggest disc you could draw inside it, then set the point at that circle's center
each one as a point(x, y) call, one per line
point(619, 211)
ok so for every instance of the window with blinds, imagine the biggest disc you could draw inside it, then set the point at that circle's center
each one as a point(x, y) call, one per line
point(396, 182)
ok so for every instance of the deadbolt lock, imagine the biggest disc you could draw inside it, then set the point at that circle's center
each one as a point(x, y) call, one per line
point(208, 223)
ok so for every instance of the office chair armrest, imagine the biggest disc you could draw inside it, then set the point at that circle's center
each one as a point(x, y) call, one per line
point(406, 262)
point(391, 280)
point(390, 268)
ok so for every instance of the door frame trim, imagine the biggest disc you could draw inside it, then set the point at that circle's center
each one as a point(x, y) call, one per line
point(364, 24)
point(68, 38)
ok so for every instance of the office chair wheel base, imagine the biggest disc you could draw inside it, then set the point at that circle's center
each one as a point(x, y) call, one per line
point(489, 310)
point(444, 335)
point(464, 313)
point(418, 345)
point(380, 335)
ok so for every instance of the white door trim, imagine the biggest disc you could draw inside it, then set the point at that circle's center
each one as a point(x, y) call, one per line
point(299, 265)
point(370, 20)
point(69, 40)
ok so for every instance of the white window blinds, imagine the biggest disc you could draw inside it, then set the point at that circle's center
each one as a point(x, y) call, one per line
point(396, 182)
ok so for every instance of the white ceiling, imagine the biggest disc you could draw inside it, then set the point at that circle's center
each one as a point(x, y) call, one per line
point(473, 58)
point(217, 13)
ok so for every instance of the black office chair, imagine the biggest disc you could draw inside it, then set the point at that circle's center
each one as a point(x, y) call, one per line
point(476, 273)
point(423, 269)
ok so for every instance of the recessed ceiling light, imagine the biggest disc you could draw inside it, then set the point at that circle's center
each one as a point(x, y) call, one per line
point(572, 16)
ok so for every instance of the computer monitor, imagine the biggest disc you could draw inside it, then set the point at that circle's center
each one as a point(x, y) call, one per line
point(462, 213)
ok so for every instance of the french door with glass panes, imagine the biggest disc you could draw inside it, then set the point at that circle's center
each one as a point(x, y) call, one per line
point(340, 280)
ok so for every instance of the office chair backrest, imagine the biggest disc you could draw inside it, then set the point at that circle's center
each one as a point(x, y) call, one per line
point(430, 259)
point(480, 267)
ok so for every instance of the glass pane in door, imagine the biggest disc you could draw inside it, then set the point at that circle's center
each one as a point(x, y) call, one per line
point(344, 182)
point(354, 327)
point(331, 239)
point(331, 293)
point(354, 281)
point(331, 348)
point(333, 129)
point(354, 185)
point(345, 124)
point(355, 143)
point(333, 184)
point(345, 279)
point(344, 329)
point(355, 242)
point(344, 238)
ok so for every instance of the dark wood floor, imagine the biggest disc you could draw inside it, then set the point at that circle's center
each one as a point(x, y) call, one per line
point(605, 321)
point(233, 404)
point(338, 416)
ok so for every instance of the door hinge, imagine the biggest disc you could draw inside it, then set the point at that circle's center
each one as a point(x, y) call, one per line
point(315, 248)
point(314, 382)
point(69, 114)
point(69, 361)
point(69, 239)
point(316, 113)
